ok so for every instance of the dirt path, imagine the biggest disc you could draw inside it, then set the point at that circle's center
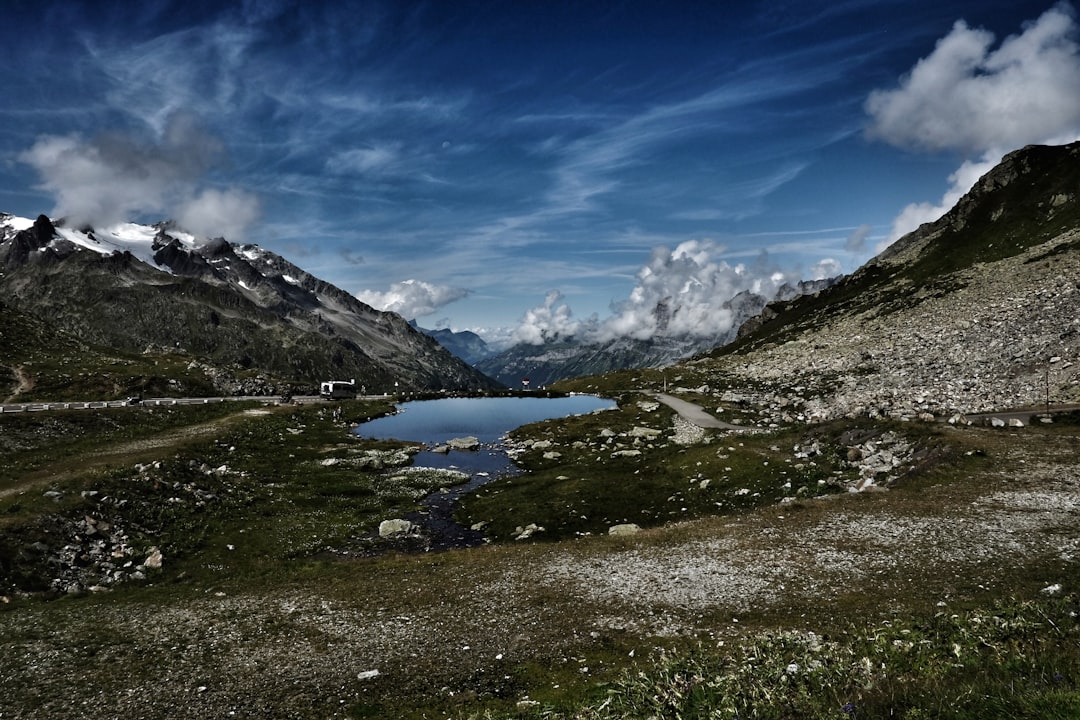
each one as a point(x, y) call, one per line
point(129, 451)
point(694, 413)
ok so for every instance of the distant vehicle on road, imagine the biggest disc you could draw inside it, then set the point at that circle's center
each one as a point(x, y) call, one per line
point(338, 389)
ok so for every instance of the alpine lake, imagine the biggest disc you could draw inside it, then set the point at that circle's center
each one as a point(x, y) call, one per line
point(437, 422)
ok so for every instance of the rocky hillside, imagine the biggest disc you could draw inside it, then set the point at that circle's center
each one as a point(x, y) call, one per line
point(135, 288)
point(979, 310)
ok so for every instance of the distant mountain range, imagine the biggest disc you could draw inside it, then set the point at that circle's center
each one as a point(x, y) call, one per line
point(465, 344)
point(565, 358)
point(237, 308)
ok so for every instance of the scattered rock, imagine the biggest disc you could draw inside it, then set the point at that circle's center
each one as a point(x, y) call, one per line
point(624, 529)
point(154, 559)
point(626, 453)
point(645, 433)
point(523, 533)
point(395, 528)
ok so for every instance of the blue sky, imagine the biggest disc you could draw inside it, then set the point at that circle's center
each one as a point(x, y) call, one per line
point(531, 168)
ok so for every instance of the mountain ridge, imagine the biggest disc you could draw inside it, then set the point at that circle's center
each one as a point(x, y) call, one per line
point(239, 306)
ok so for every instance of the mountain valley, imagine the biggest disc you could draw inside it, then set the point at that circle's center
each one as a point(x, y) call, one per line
point(871, 532)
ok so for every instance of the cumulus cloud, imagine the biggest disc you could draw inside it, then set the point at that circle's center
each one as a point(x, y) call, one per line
point(219, 213)
point(412, 298)
point(115, 178)
point(967, 96)
point(825, 268)
point(684, 292)
point(550, 321)
point(679, 293)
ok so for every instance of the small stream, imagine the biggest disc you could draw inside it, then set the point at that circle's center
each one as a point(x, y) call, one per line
point(435, 422)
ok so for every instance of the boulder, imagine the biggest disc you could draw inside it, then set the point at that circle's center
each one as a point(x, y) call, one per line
point(624, 529)
point(644, 432)
point(523, 533)
point(395, 527)
point(464, 443)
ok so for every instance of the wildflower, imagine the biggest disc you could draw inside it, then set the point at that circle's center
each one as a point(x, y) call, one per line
point(848, 709)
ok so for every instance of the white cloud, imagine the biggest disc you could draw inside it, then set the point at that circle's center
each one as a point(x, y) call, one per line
point(377, 159)
point(546, 322)
point(825, 268)
point(680, 292)
point(967, 97)
point(412, 298)
point(684, 291)
point(115, 178)
point(219, 213)
point(856, 241)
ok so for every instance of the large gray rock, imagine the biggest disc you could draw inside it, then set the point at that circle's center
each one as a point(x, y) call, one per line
point(394, 528)
point(464, 443)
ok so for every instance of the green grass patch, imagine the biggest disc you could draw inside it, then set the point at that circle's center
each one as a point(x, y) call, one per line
point(586, 474)
point(1011, 659)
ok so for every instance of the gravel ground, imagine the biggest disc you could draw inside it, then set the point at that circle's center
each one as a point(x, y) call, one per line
point(457, 625)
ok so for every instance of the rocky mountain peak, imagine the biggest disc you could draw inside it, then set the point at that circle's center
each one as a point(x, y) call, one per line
point(240, 306)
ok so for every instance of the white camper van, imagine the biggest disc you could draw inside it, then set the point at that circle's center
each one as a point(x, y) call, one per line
point(338, 389)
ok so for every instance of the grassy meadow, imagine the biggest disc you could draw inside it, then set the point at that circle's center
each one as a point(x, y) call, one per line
point(758, 585)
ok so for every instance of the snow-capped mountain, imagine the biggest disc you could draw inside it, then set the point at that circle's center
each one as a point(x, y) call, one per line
point(136, 286)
